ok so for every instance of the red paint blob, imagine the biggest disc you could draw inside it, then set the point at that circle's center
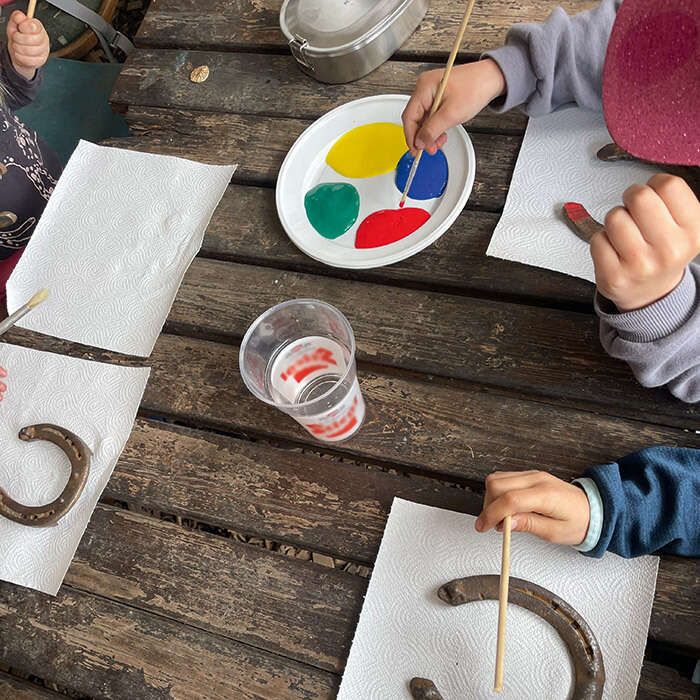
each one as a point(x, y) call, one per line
point(388, 226)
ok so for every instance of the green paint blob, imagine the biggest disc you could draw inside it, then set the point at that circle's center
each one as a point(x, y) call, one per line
point(332, 208)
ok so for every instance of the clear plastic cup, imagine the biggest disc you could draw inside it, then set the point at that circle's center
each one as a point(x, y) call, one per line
point(299, 356)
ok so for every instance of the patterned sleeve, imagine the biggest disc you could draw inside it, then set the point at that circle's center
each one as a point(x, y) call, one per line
point(17, 91)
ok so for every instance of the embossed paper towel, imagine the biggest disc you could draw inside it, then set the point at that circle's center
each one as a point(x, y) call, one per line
point(113, 245)
point(557, 164)
point(98, 403)
point(405, 630)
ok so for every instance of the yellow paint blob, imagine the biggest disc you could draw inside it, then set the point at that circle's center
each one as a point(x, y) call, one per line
point(367, 151)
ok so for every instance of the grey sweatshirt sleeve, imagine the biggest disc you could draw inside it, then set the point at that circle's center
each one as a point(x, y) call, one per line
point(556, 62)
point(17, 90)
point(660, 342)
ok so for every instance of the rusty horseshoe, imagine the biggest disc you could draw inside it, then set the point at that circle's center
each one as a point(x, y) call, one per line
point(79, 456)
point(583, 647)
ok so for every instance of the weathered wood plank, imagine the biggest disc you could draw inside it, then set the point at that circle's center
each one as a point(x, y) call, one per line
point(12, 688)
point(301, 499)
point(270, 601)
point(461, 431)
point(245, 228)
point(319, 504)
point(265, 84)
point(457, 430)
point(255, 25)
point(109, 650)
point(103, 649)
point(545, 352)
point(259, 144)
point(663, 683)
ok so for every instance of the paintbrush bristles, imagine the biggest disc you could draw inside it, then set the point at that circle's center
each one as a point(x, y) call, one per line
point(38, 298)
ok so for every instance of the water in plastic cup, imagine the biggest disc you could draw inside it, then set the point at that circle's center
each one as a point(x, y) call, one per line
point(300, 357)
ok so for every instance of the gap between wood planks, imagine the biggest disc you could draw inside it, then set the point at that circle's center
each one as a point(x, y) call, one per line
point(429, 56)
point(353, 568)
point(28, 686)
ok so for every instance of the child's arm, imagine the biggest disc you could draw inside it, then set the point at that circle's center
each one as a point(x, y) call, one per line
point(557, 61)
point(541, 67)
point(27, 50)
point(650, 502)
point(646, 502)
point(648, 295)
point(3, 386)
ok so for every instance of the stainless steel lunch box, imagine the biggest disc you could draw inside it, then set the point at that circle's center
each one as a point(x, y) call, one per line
point(337, 41)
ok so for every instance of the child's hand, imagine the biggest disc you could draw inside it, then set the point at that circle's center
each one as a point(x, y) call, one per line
point(3, 386)
point(646, 245)
point(538, 503)
point(27, 44)
point(470, 88)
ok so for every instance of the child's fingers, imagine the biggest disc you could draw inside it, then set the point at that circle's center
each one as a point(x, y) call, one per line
point(539, 525)
point(624, 234)
point(515, 481)
point(513, 502)
point(3, 389)
point(649, 213)
point(678, 197)
point(28, 40)
point(434, 128)
point(605, 257)
point(29, 53)
point(3, 372)
point(412, 116)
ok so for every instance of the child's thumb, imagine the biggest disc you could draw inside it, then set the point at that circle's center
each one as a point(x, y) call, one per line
point(432, 129)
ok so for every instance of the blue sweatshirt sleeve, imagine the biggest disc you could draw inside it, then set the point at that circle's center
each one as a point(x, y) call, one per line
point(651, 503)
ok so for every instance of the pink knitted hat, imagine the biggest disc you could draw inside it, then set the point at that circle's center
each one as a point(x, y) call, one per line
point(651, 80)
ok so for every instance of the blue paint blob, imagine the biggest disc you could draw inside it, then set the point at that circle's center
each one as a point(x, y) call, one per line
point(430, 180)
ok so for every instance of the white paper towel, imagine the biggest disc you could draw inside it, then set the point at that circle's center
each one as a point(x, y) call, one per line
point(97, 402)
point(113, 245)
point(557, 163)
point(405, 630)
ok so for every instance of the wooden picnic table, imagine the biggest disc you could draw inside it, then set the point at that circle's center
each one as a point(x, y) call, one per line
point(230, 553)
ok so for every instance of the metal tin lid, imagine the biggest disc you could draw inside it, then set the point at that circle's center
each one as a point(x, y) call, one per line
point(331, 26)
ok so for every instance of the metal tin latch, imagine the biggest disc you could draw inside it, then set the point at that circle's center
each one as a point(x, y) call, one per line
point(298, 48)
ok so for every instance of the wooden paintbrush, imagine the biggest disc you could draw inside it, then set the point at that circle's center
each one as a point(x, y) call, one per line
point(502, 605)
point(441, 91)
point(10, 321)
point(30, 8)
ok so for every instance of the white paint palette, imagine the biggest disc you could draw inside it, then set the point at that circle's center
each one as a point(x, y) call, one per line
point(305, 167)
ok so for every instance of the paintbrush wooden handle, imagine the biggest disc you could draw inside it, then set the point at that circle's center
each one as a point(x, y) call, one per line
point(502, 606)
point(31, 7)
point(453, 56)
